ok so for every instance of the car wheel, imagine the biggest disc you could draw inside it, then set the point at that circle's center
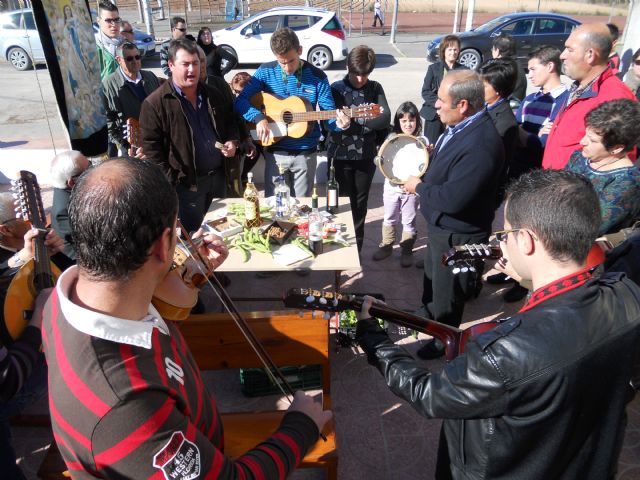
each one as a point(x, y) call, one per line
point(320, 57)
point(19, 59)
point(229, 49)
point(470, 58)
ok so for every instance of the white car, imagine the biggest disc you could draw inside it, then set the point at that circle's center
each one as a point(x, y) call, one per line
point(320, 32)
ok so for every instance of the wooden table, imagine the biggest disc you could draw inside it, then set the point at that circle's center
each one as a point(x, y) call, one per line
point(334, 258)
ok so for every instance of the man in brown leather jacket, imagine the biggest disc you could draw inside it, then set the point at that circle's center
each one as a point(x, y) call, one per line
point(543, 394)
point(188, 129)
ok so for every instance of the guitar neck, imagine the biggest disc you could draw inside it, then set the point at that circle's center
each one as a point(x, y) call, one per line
point(319, 115)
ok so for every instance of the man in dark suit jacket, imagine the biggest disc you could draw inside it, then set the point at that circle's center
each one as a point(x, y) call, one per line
point(457, 194)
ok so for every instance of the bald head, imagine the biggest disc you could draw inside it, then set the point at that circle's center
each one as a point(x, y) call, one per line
point(586, 52)
point(597, 37)
point(117, 211)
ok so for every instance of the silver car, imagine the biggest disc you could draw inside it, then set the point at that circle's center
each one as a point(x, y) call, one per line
point(20, 43)
point(19, 40)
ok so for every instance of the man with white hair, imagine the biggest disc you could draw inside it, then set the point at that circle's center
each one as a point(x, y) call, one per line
point(66, 167)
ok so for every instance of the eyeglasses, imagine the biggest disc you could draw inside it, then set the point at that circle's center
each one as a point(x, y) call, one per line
point(637, 62)
point(132, 58)
point(181, 29)
point(112, 20)
point(502, 235)
point(126, 31)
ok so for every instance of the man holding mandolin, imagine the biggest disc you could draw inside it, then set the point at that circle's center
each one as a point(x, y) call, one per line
point(543, 394)
point(287, 77)
point(126, 396)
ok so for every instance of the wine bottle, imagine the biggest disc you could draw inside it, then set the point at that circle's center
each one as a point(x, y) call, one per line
point(251, 204)
point(315, 225)
point(332, 191)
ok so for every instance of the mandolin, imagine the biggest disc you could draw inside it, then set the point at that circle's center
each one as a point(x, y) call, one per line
point(294, 116)
point(454, 339)
point(38, 273)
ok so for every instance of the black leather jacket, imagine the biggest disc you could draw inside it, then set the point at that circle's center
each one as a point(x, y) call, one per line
point(542, 396)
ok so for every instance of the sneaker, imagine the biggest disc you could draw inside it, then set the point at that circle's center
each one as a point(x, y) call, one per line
point(515, 293)
point(431, 350)
point(499, 279)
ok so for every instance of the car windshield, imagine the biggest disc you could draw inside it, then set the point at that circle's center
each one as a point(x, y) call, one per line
point(491, 24)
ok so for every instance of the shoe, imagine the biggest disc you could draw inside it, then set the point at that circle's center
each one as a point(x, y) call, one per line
point(383, 252)
point(515, 294)
point(499, 279)
point(406, 248)
point(431, 350)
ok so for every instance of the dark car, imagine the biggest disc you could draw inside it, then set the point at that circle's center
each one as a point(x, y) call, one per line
point(530, 30)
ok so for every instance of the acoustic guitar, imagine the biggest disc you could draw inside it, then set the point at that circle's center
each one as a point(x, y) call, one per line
point(38, 273)
point(294, 116)
point(454, 339)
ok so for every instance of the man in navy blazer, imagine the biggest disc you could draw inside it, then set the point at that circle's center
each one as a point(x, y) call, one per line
point(458, 194)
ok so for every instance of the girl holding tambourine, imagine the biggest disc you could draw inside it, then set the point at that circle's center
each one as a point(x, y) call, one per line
point(399, 206)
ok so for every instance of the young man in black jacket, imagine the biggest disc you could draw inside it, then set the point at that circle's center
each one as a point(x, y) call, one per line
point(457, 194)
point(543, 394)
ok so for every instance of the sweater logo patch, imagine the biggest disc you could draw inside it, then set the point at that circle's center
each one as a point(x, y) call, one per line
point(179, 459)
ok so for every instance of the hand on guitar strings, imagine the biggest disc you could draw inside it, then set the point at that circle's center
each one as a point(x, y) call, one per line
point(212, 248)
point(137, 152)
point(306, 404)
point(367, 301)
point(342, 120)
point(52, 241)
point(264, 132)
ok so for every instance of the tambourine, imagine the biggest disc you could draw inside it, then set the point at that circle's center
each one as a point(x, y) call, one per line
point(402, 156)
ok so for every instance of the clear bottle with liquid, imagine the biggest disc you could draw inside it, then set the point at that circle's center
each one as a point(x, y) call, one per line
point(315, 225)
point(332, 191)
point(282, 195)
point(251, 204)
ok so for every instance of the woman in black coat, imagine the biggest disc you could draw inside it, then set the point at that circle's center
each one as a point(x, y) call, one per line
point(449, 52)
point(219, 61)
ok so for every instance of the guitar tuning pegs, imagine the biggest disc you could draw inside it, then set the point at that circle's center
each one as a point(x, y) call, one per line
point(310, 299)
point(455, 270)
point(472, 269)
point(326, 316)
point(464, 269)
point(313, 314)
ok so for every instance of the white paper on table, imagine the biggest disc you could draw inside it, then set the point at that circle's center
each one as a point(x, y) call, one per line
point(289, 254)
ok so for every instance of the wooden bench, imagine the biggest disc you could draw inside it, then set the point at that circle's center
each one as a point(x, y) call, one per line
point(217, 344)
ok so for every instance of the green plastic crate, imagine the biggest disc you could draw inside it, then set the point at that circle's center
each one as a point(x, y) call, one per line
point(255, 381)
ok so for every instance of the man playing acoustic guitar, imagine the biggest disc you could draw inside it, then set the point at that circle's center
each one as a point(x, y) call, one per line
point(543, 394)
point(289, 75)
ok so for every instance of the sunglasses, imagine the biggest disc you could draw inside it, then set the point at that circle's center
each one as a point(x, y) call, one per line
point(132, 58)
point(181, 29)
point(111, 21)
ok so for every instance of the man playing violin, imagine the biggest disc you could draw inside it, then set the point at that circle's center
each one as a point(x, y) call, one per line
point(289, 75)
point(127, 399)
point(543, 394)
point(23, 373)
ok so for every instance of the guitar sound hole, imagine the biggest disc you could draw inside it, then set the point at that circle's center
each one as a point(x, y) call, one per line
point(287, 117)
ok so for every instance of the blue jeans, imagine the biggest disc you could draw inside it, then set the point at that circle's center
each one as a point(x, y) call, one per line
point(298, 170)
point(34, 389)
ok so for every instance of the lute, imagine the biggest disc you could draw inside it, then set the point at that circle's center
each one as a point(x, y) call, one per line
point(454, 339)
point(38, 273)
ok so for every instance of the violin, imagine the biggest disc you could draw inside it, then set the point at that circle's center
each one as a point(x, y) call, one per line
point(39, 272)
point(178, 292)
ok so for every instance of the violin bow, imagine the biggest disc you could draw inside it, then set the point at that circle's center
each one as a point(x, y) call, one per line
point(272, 369)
